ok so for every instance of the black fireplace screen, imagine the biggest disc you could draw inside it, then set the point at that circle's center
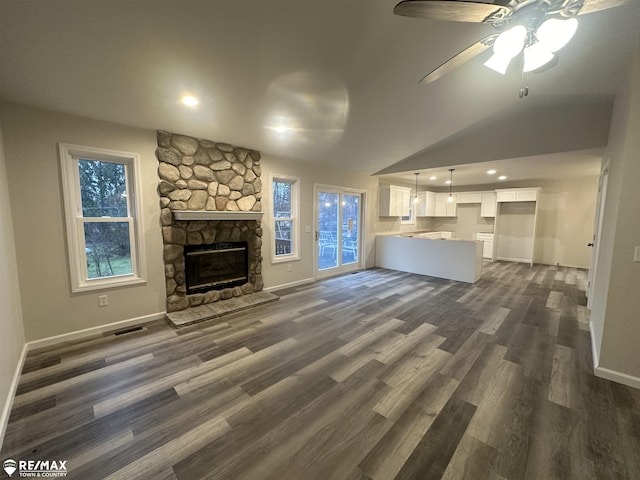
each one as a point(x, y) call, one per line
point(215, 266)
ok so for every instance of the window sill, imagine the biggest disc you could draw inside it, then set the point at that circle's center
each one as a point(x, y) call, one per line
point(284, 259)
point(103, 284)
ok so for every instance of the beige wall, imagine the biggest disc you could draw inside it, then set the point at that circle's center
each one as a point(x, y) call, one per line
point(33, 170)
point(566, 212)
point(11, 329)
point(466, 224)
point(276, 274)
point(615, 314)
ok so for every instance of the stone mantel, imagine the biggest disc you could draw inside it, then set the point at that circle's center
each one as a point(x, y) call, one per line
point(215, 215)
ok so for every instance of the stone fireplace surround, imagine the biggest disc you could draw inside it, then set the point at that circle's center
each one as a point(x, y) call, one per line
point(209, 192)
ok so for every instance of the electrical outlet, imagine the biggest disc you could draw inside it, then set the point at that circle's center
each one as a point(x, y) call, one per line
point(103, 300)
point(307, 228)
point(636, 254)
point(288, 268)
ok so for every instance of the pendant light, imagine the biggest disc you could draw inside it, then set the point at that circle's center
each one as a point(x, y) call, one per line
point(415, 200)
point(450, 198)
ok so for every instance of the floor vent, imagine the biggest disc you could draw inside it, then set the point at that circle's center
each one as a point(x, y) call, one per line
point(128, 330)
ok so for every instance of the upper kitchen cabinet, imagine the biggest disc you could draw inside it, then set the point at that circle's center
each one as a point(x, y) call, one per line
point(426, 204)
point(488, 205)
point(518, 195)
point(468, 197)
point(444, 208)
point(394, 201)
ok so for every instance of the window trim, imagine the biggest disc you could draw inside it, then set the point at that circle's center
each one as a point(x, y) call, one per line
point(295, 218)
point(412, 212)
point(69, 156)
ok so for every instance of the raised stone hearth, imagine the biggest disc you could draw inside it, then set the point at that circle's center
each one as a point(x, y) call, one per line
point(209, 193)
point(215, 310)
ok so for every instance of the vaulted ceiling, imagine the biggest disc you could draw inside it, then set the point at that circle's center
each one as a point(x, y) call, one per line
point(341, 75)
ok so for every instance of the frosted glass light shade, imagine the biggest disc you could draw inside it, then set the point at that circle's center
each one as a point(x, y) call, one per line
point(536, 56)
point(508, 44)
point(555, 33)
point(498, 63)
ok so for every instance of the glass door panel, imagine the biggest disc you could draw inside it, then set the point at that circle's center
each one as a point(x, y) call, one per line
point(350, 228)
point(338, 231)
point(328, 233)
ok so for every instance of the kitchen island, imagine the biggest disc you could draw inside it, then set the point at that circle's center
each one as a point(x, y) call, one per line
point(444, 258)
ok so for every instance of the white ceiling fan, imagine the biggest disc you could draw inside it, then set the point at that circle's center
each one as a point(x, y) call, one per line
point(535, 29)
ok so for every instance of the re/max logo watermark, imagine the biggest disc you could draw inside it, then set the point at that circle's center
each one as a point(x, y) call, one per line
point(35, 468)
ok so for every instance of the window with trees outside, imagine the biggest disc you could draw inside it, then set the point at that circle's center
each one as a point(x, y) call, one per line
point(284, 217)
point(103, 226)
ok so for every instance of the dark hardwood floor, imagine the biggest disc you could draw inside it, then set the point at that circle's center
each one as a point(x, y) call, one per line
point(374, 375)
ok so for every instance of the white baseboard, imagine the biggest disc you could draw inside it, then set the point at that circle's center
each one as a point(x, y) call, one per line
point(594, 351)
point(607, 373)
point(290, 285)
point(88, 332)
point(8, 403)
point(618, 377)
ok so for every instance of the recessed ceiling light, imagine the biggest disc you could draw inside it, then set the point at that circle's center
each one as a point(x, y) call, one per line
point(491, 172)
point(432, 177)
point(281, 128)
point(448, 182)
point(502, 177)
point(190, 100)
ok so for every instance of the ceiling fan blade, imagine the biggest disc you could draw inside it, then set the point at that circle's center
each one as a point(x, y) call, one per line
point(591, 6)
point(461, 58)
point(453, 10)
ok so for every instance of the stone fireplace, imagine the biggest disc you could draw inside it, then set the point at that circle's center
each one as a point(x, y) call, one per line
point(210, 200)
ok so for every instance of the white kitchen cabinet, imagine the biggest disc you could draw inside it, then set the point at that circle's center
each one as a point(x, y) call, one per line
point(462, 197)
point(468, 197)
point(394, 201)
point(487, 247)
point(518, 195)
point(444, 208)
point(488, 205)
point(426, 204)
point(475, 197)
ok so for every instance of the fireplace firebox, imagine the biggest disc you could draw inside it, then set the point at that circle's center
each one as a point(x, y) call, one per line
point(215, 266)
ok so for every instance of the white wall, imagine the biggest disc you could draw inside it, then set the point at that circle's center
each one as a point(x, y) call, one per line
point(616, 300)
point(11, 329)
point(33, 170)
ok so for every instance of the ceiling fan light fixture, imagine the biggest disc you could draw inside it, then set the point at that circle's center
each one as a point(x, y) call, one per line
point(555, 33)
point(498, 63)
point(507, 46)
point(536, 56)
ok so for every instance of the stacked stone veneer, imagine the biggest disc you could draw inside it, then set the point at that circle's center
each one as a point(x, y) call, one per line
point(200, 174)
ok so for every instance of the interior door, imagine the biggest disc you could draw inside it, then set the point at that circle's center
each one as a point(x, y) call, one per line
point(338, 214)
point(597, 232)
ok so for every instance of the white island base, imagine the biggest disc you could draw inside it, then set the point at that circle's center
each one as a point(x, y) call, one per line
point(452, 259)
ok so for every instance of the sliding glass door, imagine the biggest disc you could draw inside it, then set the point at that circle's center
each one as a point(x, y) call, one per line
point(338, 214)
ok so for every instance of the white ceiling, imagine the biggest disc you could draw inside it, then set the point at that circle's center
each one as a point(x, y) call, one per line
point(342, 74)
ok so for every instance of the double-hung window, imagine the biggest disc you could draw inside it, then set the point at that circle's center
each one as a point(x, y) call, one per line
point(104, 230)
point(285, 198)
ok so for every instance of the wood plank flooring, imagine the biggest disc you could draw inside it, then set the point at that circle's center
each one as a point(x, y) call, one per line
point(374, 375)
